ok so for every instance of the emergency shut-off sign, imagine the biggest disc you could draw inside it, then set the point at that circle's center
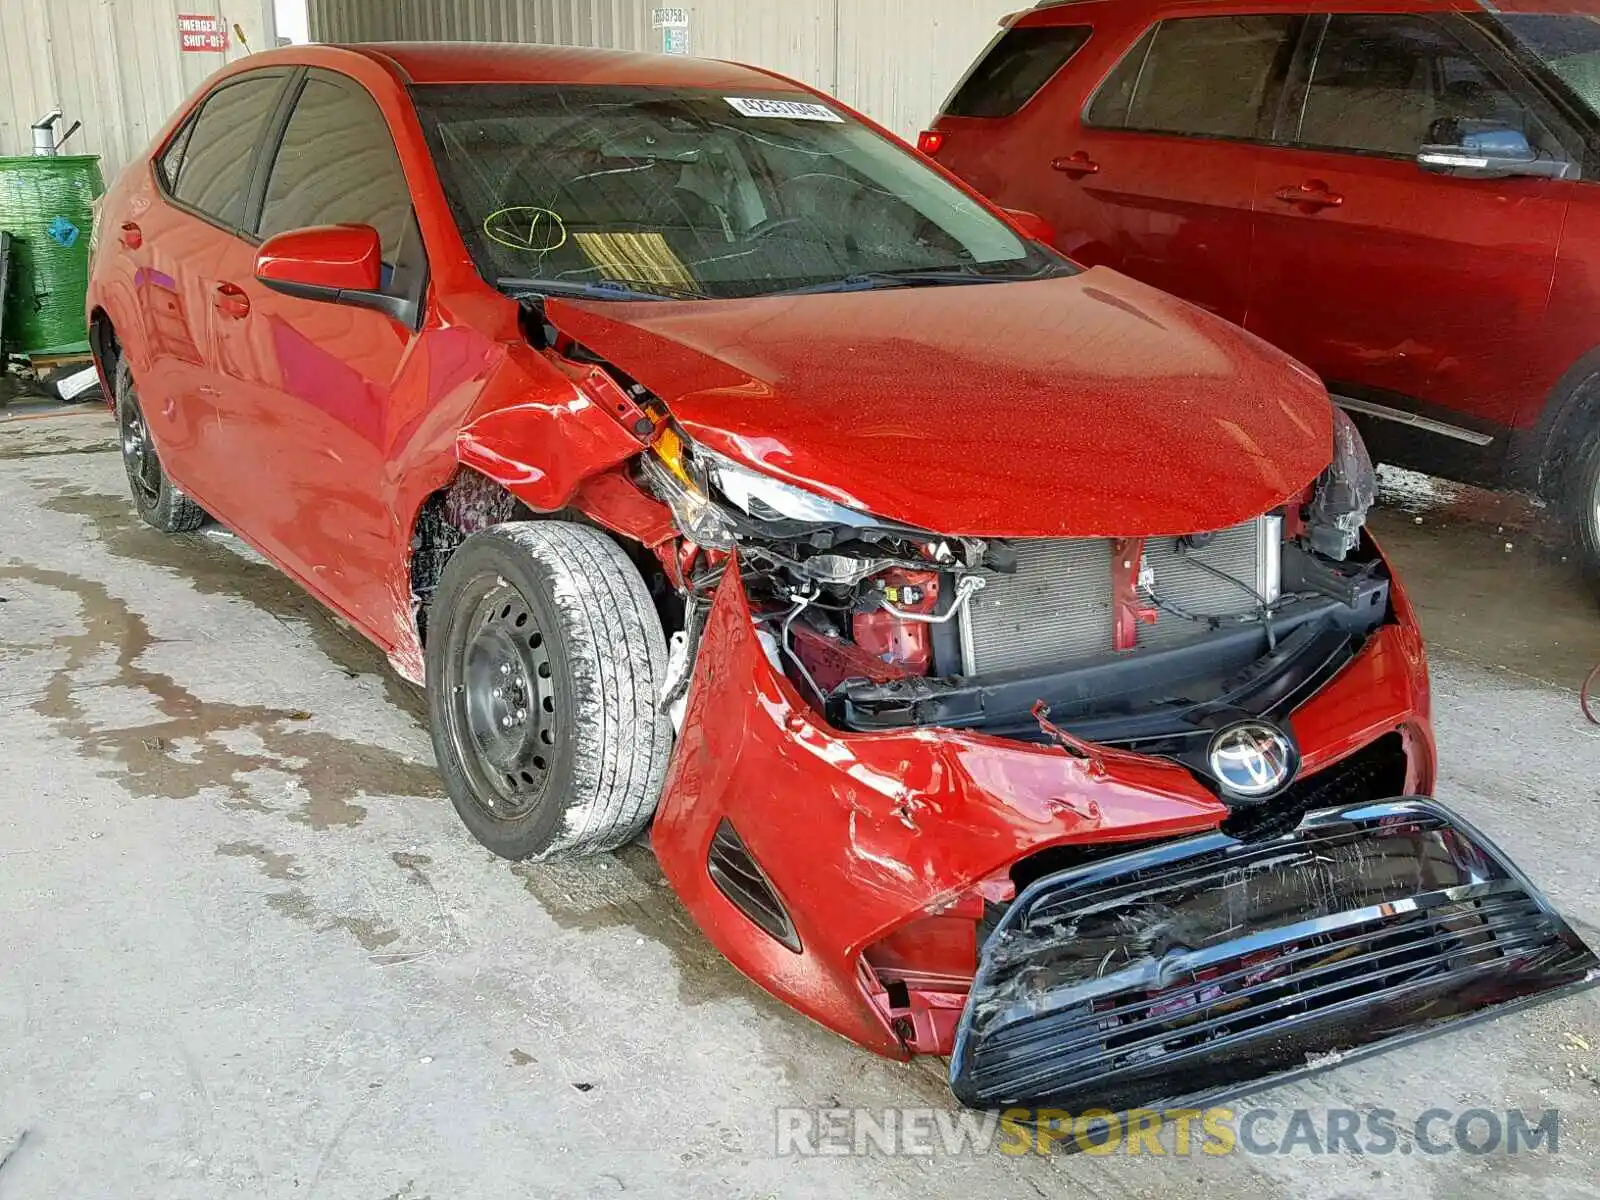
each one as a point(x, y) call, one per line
point(201, 32)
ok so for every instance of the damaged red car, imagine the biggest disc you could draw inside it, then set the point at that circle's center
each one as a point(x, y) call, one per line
point(994, 649)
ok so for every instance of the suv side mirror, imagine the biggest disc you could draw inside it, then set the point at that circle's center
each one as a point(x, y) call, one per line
point(1474, 149)
point(339, 264)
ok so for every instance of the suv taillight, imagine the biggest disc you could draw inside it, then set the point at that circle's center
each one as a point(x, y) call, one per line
point(930, 142)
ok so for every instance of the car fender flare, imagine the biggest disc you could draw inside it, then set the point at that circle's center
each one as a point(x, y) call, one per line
point(541, 442)
point(1537, 457)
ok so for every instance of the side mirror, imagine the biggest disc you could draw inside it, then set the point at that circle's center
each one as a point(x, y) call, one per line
point(1473, 149)
point(339, 264)
point(1031, 225)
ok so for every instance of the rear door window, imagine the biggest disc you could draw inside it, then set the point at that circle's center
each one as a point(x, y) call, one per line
point(1201, 76)
point(207, 167)
point(1018, 63)
point(1389, 84)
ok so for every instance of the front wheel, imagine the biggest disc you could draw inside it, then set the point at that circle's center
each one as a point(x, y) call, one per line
point(544, 665)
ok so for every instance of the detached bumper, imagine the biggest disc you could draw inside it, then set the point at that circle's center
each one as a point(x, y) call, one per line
point(1212, 966)
point(801, 850)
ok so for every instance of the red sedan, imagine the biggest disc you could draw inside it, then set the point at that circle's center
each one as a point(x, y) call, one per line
point(995, 645)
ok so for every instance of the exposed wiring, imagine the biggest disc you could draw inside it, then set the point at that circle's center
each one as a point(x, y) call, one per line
point(1263, 605)
point(1584, 694)
point(801, 603)
point(966, 589)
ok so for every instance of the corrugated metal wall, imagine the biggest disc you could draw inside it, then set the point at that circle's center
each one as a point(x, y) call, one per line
point(618, 24)
point(895, 60)
point(115, 65)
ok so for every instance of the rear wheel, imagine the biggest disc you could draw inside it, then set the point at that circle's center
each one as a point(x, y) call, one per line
point(545, 660)
point(155, 497)
point(1583, 501)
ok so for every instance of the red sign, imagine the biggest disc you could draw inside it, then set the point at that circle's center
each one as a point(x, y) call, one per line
point(200, 32)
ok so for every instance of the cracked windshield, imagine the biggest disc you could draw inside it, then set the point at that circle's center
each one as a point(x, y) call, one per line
point(619, 193)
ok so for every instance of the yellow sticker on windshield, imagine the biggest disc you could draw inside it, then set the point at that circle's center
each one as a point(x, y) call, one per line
point(635, 258)
point(525, 228)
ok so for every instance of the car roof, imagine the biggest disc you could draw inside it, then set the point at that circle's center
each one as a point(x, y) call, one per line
point(1043, 12)
point(502, 62)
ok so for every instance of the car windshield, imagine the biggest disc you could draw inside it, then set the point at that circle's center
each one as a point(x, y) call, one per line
point(1568, 44)
point(631, 193)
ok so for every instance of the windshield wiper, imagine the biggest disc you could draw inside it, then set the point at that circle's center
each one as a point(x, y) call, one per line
point(605, 289)
point(866, 281)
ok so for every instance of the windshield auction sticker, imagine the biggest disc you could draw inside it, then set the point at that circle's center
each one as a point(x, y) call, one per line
point(785, 110)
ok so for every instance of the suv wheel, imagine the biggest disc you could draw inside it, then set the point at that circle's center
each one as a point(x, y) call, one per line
point(155, 497)
point(544, 665)
point(1583, 501)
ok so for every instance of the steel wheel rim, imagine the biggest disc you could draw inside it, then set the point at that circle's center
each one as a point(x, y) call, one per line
point(502, 712)
point(139, 455)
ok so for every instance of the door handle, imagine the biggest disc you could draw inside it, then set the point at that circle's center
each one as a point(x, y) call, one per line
point(131, 236)
point(1310, 195)
point(1075, 165)
point(231, 301)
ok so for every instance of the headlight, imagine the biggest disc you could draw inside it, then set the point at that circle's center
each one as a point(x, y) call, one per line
point(696, 482)
point(768, 499)
point(1344, 493)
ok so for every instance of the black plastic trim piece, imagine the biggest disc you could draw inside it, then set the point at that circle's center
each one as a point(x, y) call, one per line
point(742, 883)
point(1139, 695)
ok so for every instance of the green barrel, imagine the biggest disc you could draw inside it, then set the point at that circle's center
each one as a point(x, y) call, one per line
point(44, 206)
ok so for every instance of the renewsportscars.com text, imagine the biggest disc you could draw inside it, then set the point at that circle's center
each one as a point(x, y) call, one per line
point(1176, 1132)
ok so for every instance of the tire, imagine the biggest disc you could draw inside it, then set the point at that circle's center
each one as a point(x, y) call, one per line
point(1583, 504)
point(156, 498)
point(544, 665)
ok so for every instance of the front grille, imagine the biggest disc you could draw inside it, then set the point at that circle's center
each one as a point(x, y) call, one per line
point(1059, 605)
point(1183, 972)
point(1375, 772)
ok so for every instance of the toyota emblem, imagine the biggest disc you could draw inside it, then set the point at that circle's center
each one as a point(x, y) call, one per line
point(1251, 759)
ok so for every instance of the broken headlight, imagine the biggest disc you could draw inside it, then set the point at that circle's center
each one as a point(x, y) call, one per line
point(1344, 492)
point(714, 499)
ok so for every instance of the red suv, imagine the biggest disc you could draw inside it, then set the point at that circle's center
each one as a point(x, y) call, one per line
point(725, 468)
point(1397, 194)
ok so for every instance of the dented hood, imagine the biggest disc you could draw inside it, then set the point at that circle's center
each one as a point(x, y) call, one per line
point(1083, 406)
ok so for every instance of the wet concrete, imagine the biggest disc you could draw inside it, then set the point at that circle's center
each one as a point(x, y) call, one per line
point(247, 948)
point(1492, 578)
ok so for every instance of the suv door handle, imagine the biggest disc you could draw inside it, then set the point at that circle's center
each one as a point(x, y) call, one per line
point(1310, 195)
point(1077, 164)
point(231, 301)
point(131, 236)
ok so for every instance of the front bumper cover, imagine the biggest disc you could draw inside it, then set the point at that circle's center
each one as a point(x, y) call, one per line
point(1211, 966)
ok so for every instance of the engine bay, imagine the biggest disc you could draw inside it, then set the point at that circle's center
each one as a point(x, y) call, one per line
point(1132, 642)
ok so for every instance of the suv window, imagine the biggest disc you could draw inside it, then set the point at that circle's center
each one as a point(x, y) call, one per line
point(1203, 76)
point(1380, 84)
point(337, 165)
point(1018, 64)
point(207, 166)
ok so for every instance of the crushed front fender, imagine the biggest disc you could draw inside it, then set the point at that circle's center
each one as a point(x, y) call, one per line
point(1208, 967)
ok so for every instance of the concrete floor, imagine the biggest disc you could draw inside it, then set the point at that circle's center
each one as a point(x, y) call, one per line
point(246, 948)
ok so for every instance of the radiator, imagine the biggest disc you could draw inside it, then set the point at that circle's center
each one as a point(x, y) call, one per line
point(1059, 606)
